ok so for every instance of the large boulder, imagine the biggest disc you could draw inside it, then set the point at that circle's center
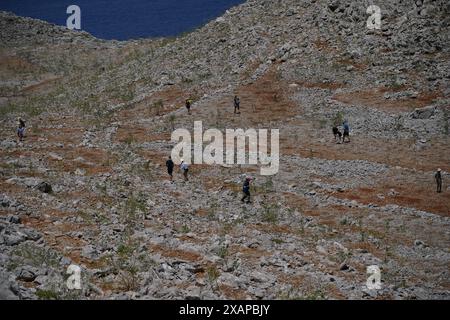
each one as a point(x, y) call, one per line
point(6, 293)
point(26, 273)
point(424, 113)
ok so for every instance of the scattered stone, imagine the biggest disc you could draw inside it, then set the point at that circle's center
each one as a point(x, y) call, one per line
point(26, 274)
point(44, 187)
point(419, 243)
point(344, 267)
point(14, 219)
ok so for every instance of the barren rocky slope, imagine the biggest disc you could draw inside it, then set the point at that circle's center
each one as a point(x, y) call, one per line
point(100, 115)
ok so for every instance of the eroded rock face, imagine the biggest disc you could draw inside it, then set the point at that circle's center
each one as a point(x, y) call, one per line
point(88, 185)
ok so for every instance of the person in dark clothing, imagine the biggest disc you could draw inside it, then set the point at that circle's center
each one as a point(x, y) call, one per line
point(346, 131)
point(246, 190)
point(237, 104)
point(170, 165)
point(438, 177)
point(20, 129)
point(337, 134)
point(188, 105)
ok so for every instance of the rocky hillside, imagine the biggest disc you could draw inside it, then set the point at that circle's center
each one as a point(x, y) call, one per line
point(88, 185)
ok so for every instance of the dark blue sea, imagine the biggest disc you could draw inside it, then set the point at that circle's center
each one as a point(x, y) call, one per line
point(124, 20)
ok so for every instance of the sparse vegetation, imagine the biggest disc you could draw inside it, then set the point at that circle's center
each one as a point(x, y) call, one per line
point(314, 295)
point(171, 120)
point(213, 207)
point(223, 251)
point(277, 241)
point(157, 107)
point(126, 264)
point(323, 123)
point(267, 186)
point(185, 229)
point(212, 274)
point(270, 213)
point(32, 254)
point(338, 118)
point(130, 139)
point(399, 123)
point(47, 294)
point(134, 210)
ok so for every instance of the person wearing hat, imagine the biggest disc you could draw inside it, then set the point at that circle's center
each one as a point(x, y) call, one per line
point(246, 189)
point(438, 177)
point(185, 168)
point(20, 128)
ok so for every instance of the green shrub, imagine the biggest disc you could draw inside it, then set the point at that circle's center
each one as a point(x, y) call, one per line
point(47, 294)
point(270, 213)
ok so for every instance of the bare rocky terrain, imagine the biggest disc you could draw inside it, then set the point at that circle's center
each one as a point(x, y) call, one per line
point(99, 120)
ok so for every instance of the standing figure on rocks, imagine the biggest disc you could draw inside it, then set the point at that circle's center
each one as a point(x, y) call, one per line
point(237, 104)
point(438, 177)
point(246, 189)
point(188, 105)
point(185, 168)
point(346, 131)
point(170, 165)
point(20, 128)
point(337, 134)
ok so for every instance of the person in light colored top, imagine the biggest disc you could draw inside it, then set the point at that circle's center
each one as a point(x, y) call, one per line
point(185, 169)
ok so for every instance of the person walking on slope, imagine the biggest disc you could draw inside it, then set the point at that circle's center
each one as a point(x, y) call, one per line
point(170, 165)
point(438, 178)
point(184, 168)
point(246, 189)
point(237, 104)
point(20, 129)
point(188, 105)
point(346, 131)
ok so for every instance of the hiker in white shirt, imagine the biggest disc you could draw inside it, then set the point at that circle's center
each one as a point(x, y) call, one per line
point(185, 168)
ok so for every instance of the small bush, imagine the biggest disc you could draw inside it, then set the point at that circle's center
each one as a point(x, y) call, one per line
point(157, 107)
point(270, 214)
point(223, 252)
point(47, 294)
point(213, 274)
point(277, 241)
point(185, 229)
point(171, 121)
point(338, 118)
